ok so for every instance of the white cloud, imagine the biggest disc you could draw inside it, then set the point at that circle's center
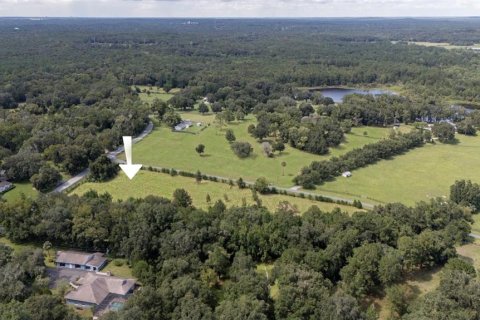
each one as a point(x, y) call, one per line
point(240, 8)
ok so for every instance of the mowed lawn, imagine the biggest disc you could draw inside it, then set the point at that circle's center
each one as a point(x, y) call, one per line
point(160, 184)
point(165, 148)
point(420, 174)
point(22, 188)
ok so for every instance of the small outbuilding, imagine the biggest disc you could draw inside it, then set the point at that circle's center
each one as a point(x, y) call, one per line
point(183, 125)
point(347, 174)
point(5, 186)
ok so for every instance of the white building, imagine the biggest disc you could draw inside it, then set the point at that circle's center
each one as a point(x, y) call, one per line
point(347, 174)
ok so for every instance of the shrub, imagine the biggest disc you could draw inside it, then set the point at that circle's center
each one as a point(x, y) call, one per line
point(262, 186)
point(242, 149)
point(118, 263)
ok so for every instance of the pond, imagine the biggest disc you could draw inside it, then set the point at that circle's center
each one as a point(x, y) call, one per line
point(337, 94)
point(465, 109)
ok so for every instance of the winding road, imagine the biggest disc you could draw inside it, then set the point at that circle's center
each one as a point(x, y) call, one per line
point(112, 155)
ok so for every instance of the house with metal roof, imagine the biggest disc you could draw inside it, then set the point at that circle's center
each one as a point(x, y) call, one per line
point(5, 186)
point(183, 125)
point(80, 260)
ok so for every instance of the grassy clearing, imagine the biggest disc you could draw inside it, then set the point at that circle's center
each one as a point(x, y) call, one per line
point(19, 247)
point(420, 174)
point(24, 188)
point(119, 268)
point(444, 45)
point(159, 184)
point(476, 223)
point(165, 148)
point(84, 313)
point(418, 284)
point(266, 270)
point(149, 94)
point(471, 253)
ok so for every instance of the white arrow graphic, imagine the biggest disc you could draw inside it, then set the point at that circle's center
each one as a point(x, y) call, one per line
point(130, 169)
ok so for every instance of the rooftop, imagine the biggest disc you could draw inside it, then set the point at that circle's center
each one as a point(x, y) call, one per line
point(80, 258)
point(5, 184)
point(95, 288)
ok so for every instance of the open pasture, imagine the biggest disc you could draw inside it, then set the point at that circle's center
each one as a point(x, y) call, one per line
point(164, 148)
point(420, 174)
point(150, 93)
point(159, 184)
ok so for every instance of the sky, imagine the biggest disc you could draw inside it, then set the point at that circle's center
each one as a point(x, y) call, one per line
point(239, 8)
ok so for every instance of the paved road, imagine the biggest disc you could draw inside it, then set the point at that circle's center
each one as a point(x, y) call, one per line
point(474, 235)
point(71, 182)
point(112, 155)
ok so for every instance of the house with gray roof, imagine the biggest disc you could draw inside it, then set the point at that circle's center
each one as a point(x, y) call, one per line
point(80, 260)
point(100, 292)
point(5, 186)
point(183, 125)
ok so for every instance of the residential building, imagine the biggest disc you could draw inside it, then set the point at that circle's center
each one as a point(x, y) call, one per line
point(80, 260)
point(100, 292)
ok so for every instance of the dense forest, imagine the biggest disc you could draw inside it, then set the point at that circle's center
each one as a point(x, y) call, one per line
point(69, 90)
point(66, 87)
point(202, 264)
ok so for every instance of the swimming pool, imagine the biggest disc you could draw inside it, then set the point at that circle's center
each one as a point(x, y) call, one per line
point(116, 306)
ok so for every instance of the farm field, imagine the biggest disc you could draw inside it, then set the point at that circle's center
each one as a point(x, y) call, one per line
point(164, 148)
point(420, 174)
point(159, 184)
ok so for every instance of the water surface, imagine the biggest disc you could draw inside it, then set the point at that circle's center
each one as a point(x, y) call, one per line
point(337, 94)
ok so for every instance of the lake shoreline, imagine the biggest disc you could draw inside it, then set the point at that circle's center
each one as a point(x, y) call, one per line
point(337, 93)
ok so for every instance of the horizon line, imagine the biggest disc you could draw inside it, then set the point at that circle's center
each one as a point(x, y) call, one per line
point(241, 17)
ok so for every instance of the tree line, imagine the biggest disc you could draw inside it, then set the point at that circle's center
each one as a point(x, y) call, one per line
point(320, 171)
point(324, 263)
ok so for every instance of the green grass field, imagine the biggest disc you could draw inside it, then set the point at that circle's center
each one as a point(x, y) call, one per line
point(417, 283)
point(265, 269)
point(24, 188)
point(119, 268)
point(444, 45)
point(165, 148)
point(471, 252)
point(159, 184)
point(149, 94)
point(476, 223)
point(19, 247)
point(420, 174)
